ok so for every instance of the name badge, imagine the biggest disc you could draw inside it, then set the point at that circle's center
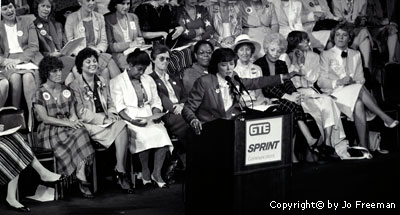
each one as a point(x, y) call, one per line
point(133, 25)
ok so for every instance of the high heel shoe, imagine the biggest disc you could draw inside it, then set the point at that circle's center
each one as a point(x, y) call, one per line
point(159, 184)
point(20, 209)
point(52, 183)
point(394, 124)
point(123, 180)
point(146, 182)
point(85, 190)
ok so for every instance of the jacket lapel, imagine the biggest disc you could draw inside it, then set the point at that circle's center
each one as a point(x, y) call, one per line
point(19, 28)
point(217, 94)
point(4, 44)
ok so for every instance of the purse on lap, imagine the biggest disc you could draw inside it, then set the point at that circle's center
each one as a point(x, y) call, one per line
point(12, 117)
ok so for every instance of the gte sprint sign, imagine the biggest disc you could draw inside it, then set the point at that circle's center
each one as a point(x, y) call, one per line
point(263, 140)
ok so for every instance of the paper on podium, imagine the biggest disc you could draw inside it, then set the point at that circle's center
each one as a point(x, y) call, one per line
point(153, 117)
point(71, 45)
point(26, 66)
point(263, 107)
point(43, 194)
point(142, 48)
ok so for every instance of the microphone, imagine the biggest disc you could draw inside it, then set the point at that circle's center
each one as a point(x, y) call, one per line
point(237, 78)
point(229, 80)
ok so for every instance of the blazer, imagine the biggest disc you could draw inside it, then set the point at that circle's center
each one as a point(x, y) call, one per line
point(163, 92)
point(280, 68)
point(85, 107)
point(74, 29)
point(45, 39)
point(28, 40)
point(205, 100)
point(339, 8)
point(115, 36)
point(124, 95)
point(333, 68)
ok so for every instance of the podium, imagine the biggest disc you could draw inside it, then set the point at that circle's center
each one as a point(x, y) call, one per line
point(239, 166)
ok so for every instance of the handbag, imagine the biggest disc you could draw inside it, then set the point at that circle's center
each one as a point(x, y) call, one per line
point(375, 142)
point(12, 117)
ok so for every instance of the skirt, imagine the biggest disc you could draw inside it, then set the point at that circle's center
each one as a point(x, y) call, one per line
point(148, 137)
point(105, 135)
point(15, 156)
point(8, 73)
point(70, 146)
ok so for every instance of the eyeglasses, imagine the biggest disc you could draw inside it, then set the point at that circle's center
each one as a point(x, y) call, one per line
point(208, 53)
point(162, 59)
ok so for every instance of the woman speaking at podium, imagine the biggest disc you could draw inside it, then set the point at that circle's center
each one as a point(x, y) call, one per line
point(212, 96)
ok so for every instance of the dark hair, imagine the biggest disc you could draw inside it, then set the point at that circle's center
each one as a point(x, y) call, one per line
point(200, 43)
point(345, 27)
point(7, 2)
point(36, 5)
point(83, 55)
point(48, 64)
point(218, 56)
point(159, 49)
point(113, 3)
point(251, 45)
point(294, 38)
point(138, 57)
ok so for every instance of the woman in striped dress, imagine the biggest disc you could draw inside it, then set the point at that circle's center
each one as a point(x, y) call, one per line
point(15, 156)
point(59, 126)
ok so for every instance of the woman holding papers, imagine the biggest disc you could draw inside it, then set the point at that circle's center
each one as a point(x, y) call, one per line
point(289, 99)
point(136, 100)
point(90, 25)
point(50, 35)
point(15, 156)
point(123, 30)
point(59, 126)
point(342, 76)
point(322, 108)
point(96, 109)
point(18, 44)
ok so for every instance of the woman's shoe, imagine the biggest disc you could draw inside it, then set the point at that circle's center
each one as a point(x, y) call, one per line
point(123, 180)
point(85, 190)
point(159, 184)
point(394, 124)
point(146, 182)
point(20, 209)
point(52, 183)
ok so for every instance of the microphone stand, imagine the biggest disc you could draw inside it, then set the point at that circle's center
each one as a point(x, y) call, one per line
point(238, 93)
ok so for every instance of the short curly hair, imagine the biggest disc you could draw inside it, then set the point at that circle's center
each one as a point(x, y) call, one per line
point(348, 27)
point(7, 2)
point(47, 65)
point(113, 3)
point(36, 5)
point(275, 38)
point(83, 55)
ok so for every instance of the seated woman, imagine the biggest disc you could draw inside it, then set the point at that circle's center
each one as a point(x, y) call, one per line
point(322, 108)
point(259, 19)
point(123, 31)
point(59, 126)
point(244, 48)
point(50, 34)
point(3, 89)
point(158, 22)
point(172, 96)
point(89, 24)
point(18, 44)
point(136, 98)
point(342, 77)
point(196, 22)
point(362, 40)
point(202, 106)
point(202, 53)
point(15, 156)
point(226, 19)
point(96, 109)
point(289, 99)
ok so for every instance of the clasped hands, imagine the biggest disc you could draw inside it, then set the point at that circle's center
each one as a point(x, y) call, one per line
point(345, 81)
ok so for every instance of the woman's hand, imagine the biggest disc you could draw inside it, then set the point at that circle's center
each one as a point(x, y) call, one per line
point(178, 31)
point(11, 63)
point(196, 126)
point(138, 122)
point(290, 75)
point(178, 109)
point(154, 111)
point(345, 81)
point(75, 124)
point(114, 117)
point(199, 31)
point(294, 97)
point(227, 41)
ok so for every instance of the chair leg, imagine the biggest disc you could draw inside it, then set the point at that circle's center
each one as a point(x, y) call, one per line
point(58, 191)
point(94, 175)
point(133, 173)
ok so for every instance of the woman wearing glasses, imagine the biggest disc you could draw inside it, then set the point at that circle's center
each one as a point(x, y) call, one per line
point(136, 99)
